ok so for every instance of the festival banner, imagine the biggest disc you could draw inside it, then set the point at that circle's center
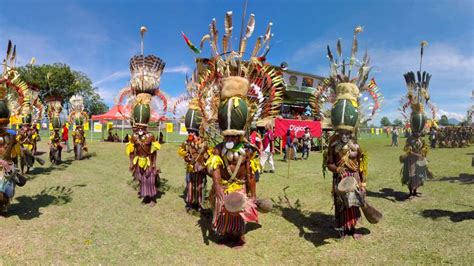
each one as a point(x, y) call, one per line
point(298, 126)
point(97, 127)
point(182, 129)
point(169, 127)
point(86, 126)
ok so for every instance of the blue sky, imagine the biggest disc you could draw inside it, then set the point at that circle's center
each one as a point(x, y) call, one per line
point(99, 37)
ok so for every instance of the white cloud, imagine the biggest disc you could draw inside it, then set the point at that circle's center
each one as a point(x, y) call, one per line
point(444, 61)
point(457, 116)
point(112, 77)
point(178, 69)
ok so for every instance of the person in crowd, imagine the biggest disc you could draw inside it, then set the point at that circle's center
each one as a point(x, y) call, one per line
point(395, 135)
point(306, 144)
point(268, 149)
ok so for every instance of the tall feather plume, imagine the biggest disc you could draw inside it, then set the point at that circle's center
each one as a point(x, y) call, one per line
point(332, 62)
point(9, 49)
point(258, 45)
point(339, 48)
point(248, 33)
point(214, 37)
point(204, 39)
point(268, 33)
point(354, 49)
point(227, 39)
point(12, 59)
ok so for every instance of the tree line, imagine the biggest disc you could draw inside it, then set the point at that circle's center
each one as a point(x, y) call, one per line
point(60, 79)
point(443, 121)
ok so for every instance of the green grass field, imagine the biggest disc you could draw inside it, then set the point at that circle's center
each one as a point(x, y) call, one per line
point(86, 212)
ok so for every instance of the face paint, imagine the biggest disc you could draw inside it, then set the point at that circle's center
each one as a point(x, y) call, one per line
point(345, 136)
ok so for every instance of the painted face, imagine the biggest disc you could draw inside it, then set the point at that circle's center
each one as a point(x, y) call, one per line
point(191, 135)
point(345, 136)
point(141, 131)
point(231, 141)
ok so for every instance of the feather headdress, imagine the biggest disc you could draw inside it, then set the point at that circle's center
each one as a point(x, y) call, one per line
point(264, 95)
point(77, 115)
point(12, 87)
point(144, 90)
point(417, 95)
point(342, 69)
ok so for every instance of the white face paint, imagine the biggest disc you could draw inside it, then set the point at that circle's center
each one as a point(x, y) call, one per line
point(140, 132)
point(229, 145)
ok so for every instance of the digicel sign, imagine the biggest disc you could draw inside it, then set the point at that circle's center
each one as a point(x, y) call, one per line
point(298, 126)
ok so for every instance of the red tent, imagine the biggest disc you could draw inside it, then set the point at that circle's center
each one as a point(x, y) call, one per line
point(114, 114)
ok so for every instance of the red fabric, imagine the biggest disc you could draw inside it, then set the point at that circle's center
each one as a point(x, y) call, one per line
point(253, 137)
point(65, 135)
point(122, 114)
point(268, 139)
point(297, 126)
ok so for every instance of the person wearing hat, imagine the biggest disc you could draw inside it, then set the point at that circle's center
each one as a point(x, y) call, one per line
point(233, 166)
point(142, 148)
point(194, 152)
point(27, 135)
point(306, 143)
point(415, 165)
point(77, 117)
point(233, 94)
point(10, 85)
point(345, 157)
point(55, 107)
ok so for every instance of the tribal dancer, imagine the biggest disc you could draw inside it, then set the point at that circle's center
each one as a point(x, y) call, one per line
point(233, 93)
point(27, 136)
point(142, 148)
point(194, 153)
point(54, 103)
point(77, 117)
point(11, 95)
point(415, 166)
point(345, 158)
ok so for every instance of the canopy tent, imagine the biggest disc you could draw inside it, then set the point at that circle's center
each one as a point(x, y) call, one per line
point(124, 114)
point(115, 114)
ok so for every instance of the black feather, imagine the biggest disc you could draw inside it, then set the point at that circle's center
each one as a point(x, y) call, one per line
point(9, 48)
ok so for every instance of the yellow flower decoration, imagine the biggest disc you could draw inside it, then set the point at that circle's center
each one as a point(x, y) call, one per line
point(231, 187)
point(143, 162)
point(364, 164)
point(130, 148)
point(182, 152)
point(214, 161)
point(155, 145)
point(255, 165)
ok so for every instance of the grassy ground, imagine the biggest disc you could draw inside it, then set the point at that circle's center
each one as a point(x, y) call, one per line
point(86, 212)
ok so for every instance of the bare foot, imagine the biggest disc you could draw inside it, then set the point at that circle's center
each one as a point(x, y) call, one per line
point(356, 236)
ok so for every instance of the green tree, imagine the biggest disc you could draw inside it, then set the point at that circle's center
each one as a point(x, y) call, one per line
point(94, 104)
point(60, 79)
point(397, 122)
point(385, 122)
point(444, 121)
